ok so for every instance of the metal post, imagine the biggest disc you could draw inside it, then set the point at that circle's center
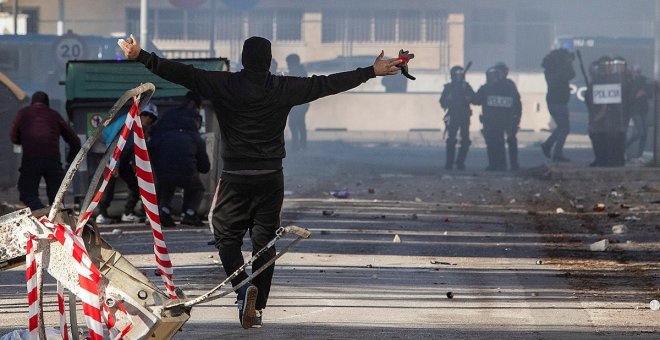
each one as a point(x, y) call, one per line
point(15, 17)
point(144, 5)
point(60, 21)
point(214, 8)
point(656, 28)
point(656, 124)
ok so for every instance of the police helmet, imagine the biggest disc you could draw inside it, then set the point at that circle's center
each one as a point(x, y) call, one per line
point(501, 66)
point(457, 73)
point(492, 75)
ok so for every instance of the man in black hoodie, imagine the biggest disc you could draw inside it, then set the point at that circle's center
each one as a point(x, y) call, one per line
point(252, 106)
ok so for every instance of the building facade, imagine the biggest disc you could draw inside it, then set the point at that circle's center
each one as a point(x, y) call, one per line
point(441, 33)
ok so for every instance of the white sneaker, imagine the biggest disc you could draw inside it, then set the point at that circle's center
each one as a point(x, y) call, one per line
point(130, 218)
point(100, 219)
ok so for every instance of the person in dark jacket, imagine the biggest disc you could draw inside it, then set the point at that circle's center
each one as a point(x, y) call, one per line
point(456, 98)
point(252, 106)
point(501, 113)
point(298, 112)
point(37, 128)
point(558, 65)
point(179, 154)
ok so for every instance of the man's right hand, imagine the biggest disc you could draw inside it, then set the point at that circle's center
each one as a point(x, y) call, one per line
point(387, 67)
point(130, 46)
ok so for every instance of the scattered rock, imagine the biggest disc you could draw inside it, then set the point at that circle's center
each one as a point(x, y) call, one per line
point(371, 190)
point(599, 207)
point(328, 212)
point(560, 211)
point(340, 194)
point(450, 295)
point(116, 232)
point(396, 239)
point(601, 245)
point(619, 229)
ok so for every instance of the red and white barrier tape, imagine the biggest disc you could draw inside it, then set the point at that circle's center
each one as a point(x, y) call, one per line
point(150, 203)
point(110, 318)
point(88, 278)
point(32, 289)
point(88, 274)
point(60, 308)
point(147, 192)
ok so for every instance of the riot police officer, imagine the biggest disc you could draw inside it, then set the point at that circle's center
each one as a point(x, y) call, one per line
point(606, 101)
point(501, 113)
point(455, 99)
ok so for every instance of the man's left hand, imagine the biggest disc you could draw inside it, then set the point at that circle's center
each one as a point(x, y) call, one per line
point(386, 67)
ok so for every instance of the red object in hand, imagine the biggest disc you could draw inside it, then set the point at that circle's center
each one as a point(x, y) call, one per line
point(405, 57)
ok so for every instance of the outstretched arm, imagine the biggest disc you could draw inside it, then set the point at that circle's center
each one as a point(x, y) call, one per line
point(185, 75)
point(302, 90)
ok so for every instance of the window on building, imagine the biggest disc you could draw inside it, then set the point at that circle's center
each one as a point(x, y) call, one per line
point(488, 25)
point(359, 26)
point(260, 23)
point(229, 25)
point(385, 26)
point(288, 25)
point(436, 23)
point(410, 26)
point(133, 21)
point(32, 19)
point(332, 27)
point(169, 24)
point(198, 24)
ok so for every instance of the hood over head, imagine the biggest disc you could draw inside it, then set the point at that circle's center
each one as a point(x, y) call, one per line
point(256, 54)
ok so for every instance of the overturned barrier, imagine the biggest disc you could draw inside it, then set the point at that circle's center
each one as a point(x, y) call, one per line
point(112, 291)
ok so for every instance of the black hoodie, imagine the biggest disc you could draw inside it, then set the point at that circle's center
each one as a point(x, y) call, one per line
point(252, 105)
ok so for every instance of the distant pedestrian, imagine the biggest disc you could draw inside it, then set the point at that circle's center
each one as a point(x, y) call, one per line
point(178, 155)
point(456, 98)
point(125, 168)
point(297, 115)
point(638, 109)
point(558, 65)
point(37, 128)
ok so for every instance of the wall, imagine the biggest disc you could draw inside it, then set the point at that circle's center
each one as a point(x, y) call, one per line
point(369, 111)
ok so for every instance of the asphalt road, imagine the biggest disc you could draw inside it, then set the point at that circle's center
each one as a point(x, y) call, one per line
point(351, 280)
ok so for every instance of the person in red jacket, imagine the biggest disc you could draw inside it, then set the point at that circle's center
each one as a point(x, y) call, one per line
point(37, 128)
point(252, 106)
